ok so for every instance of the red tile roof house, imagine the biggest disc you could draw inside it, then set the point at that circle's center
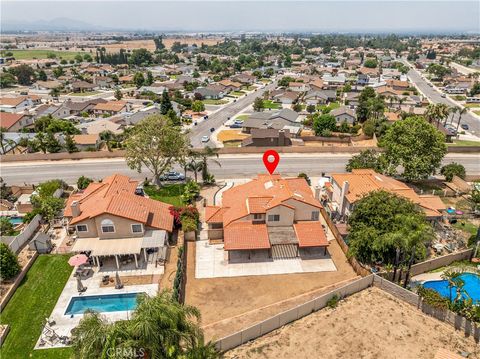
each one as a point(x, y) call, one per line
point(110, 220)
point(276, 215)
point(14, 122)
point(111, 108)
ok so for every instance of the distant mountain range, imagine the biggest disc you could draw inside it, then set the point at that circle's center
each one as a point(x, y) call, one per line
point(57, 24)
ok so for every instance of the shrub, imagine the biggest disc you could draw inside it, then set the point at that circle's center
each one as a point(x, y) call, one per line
point(6, 227)
point(304, 175)
point(8, 263)
point(333, 301)
point(83, 182)
point(189, 224)
point(453, 169)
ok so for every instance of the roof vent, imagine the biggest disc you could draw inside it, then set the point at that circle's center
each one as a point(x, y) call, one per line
point(268, 184)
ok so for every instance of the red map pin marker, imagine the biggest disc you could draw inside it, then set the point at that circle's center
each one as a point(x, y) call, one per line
point(268, 162)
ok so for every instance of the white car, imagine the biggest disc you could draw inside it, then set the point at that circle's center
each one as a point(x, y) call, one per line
point(205, 139)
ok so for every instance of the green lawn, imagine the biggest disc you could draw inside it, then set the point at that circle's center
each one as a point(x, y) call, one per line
point(466, 226)
point(34, 301)
point(169, 193)
point(271, 105)
point(464, 143)
point(242, 117)
point(472, 105)
point(81, 94)
point(329, 107)
point(237, 93)
point(214, 102)
point(476, 112)
point(43, 54)
point(249, 88)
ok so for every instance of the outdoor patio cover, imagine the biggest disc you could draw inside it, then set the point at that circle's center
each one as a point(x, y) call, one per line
point(108, 247)
point(154, 238)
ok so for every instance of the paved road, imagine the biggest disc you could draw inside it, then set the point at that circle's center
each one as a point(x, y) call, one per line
point(435, 96)
point(233, 166)
point(218, 118)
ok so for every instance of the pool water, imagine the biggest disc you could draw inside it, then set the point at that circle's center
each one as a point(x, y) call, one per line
point(15, 220)
point(103, 303)
point(472, 287)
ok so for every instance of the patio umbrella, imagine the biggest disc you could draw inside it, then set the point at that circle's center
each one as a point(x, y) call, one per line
point(118, 282)
point(78, 260)
point(80, 286)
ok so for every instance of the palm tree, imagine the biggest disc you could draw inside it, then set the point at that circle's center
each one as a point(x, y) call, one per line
point(452, 277)
point(205, 154)
point(195, 167)
point(107, 136)
point(460, 113)
point(160, 327)
point(453, 111)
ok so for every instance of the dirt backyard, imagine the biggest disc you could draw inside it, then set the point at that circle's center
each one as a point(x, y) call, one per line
point(369, 324)
point(222, 300)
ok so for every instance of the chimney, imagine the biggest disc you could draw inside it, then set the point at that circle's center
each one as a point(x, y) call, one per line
point(75, 206)
point(281, 138)
point(345, 188)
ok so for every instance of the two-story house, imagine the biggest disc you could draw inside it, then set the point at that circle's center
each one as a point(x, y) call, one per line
point(348, 188)
point(110, 220)
point(271, 214)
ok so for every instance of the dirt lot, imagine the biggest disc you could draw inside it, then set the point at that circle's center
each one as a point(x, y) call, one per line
point(222, 300)
point(369, 324)
point(168, 42)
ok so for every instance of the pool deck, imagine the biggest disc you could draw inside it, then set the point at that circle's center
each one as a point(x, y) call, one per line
point(65, 323)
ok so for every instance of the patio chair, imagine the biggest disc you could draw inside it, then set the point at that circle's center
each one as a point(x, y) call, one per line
point(50, 322)
point(106, 279)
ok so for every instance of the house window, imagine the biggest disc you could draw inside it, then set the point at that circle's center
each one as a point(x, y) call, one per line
point(257, 216)
point(315, 215)
point(137, 228)
point(273, 217)
point(82, 228)
point(107, 226)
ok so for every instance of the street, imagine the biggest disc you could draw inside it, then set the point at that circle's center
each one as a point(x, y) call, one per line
point(435, 97)
point(216, 119)
point(232, 166)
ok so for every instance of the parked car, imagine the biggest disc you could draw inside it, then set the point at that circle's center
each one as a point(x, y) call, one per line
point(464, 126)
point(172, 176)
point(212, 129)
point(205, 139)
point(236, 125)
point(205, 117)
point(444, 95)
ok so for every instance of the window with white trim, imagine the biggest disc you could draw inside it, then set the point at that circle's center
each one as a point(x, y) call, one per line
point(257, 216)
point(315, 215)
point(82, 228)
point(274, 218)
point(137, 228)
point(107, 226)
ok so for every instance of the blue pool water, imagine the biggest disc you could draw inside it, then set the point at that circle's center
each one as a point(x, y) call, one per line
point(102, 303)
point(472, 287)
point(15, 220)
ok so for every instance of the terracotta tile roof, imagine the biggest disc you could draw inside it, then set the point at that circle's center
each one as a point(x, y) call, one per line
point(7, 119)
point(115, 106)
point(310, 234)
point(214, 214)
point(12, 101)
point(278, 189)
point(245, 235)
point(86, 139)
point(364, 181)
point(115, 196)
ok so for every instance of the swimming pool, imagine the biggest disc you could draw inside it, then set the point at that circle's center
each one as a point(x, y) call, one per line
point(472, 287)
point(15, 220)
point(103, 303)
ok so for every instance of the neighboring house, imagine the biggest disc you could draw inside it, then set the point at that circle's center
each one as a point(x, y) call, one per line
point(286, 97)
point(363, 79)
point(85, 142)
point(18, 103)
point(134, 118)
point(47, 85)
point(83, 86)
point(298, 86)
point(348, 188)
point(344, 114)
point(98, 126)
point(244, 79)
point(77, 108)
point(229, 85)
point(352, 98)
point(320, 97)
point(210, 92)
point(398, 85)
point(57, 111)
point(15, 122)
point(103, 81)
point(334, 80)
point(271, 119)
point(111, 220)
point(111, 108)
point(269, 214)
point(267, 137)
point(316, 85)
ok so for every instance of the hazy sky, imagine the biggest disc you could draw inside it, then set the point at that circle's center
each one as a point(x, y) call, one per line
point(316, 16)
